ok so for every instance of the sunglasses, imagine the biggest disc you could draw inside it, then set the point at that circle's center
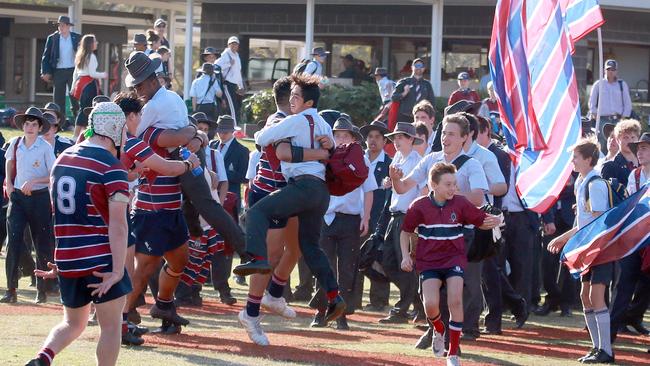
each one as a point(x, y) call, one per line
point(419, 66)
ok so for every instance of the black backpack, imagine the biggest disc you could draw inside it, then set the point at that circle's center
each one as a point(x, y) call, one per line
point(616, 191)
point(300, 68)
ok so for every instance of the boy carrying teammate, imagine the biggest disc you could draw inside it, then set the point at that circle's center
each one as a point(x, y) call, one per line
point(440, 251)
point(90, 197)
point(596, 280)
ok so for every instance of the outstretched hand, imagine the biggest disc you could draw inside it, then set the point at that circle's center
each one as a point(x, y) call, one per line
point(52, 273)
point(108, 280)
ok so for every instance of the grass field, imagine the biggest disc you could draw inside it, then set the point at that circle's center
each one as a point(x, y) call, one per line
point(215, 338)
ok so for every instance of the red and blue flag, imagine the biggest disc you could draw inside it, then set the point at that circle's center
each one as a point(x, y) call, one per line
point(615, 234)
point(534, 80)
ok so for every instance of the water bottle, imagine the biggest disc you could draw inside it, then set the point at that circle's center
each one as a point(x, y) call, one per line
point(185, 154)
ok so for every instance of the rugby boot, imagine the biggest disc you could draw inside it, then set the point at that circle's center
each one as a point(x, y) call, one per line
point(137, 330)
point(168, 314)
point(253, 327)
point(130, 339)
point(167, 328)
point(36, 362)
point(453, 361)
point(591, 352)
point(438, 344)
point(600, 357)
point(319, 320)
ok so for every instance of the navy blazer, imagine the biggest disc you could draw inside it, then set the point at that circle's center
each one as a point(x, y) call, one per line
point(410, 100)
point(51, 52)
point(236, 162)
point(504, 165)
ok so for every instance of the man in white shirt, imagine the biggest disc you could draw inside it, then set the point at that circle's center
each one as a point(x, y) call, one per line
point(345, 221)
point(315, 66)
point(386, 85)
point(205, 93)
point(233, 84)
point(306, 194)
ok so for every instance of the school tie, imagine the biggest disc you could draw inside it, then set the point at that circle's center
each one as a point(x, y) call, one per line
point(418, 94)
point(221, 146)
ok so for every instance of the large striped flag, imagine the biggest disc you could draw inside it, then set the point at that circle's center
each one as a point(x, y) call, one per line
point(581, 17)
point(534, 80)
point(615, 234)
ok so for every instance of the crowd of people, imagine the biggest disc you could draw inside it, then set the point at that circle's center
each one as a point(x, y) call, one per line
point(150, 197)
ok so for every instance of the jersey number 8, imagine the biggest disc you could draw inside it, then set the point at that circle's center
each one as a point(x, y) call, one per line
point(65, 191)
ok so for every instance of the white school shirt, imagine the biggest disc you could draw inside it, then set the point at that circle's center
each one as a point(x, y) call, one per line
point(631, 182)
point(489, 163)
point(199, 90)
point(164, 110)
point(253, 160)
point(231, 67)
point(401, 202)
point(511, 201)
point(469, 177)
point(598, 198)
point(386, 88)
point(90, 69)
point(222, 173)
point(313, 68)
point(33, 162)
point(351, 203)
point(296, 128)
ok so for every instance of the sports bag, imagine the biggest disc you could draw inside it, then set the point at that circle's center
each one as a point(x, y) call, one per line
point(616, 191)
point(301, 66)
point(346, 168)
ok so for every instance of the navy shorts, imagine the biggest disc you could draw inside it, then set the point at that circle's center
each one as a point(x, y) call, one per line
point(255, 196)
point(158, 232)
point(600, 274)
point(131, 238)
point(442, 274)
point(75, 292)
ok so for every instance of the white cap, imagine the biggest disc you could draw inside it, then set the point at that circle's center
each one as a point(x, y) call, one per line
point(107, 119)
point(233, 39)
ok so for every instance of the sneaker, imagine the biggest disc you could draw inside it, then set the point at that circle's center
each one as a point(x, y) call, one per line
point(253, 327)
point(277, 306)
point(453, 361)
point(438, 344)
point(130, 339)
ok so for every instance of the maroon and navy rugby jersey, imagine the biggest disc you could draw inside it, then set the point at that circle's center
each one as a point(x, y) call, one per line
point(156, 192)
point(440, 231)
point(269, 176)
point(83, 178)
point(135, 150)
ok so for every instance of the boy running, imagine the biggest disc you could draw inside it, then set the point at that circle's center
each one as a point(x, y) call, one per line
point(440, 251)
point(90, 196)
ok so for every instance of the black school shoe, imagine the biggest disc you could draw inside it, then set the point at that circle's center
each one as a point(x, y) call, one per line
point(600, 357)
point(522, 315)
point(394, 318)
point(319, 320)
point(9, 297)
point(35, 362)
point(639, 328)
point(254, 266)
point(342, 323)
point(426, 340)
point(130, 339)
point(335, 309)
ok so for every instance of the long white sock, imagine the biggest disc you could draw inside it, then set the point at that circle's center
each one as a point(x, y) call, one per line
point(592, 326)
point(604, 336)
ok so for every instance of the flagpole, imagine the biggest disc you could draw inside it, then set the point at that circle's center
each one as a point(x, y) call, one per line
point(601, 67)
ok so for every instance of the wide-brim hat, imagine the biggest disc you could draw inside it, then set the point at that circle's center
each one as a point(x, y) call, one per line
point(463, 106)
point(64, 19)
point(344, 123)
point(207, 68)
point(209, 51)
point(159, 21)
point(53, 107)
point(96, 100)
point(226, 123)
point(405, 128)
point(319, 51)
point(374, 126)
point(51, 118)
point(644, 139)
point(139, 38)
point(382, 71)
point(140, 67)
point(202, 117)
point(32, 113)
point(330, 116)
point(608, 128)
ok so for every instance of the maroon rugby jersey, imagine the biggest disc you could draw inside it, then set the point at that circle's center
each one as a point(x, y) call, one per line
point(440, 231)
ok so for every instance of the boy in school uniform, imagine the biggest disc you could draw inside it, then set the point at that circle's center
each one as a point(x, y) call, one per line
point(346, 220)
point(595, 282)
point(29, 163)
point(305, 195)
point(438, 219)
point(631, 297)
point(406, 159)
point(58, 142)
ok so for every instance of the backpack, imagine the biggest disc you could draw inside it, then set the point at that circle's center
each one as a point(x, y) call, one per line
point(637, 178)
point(301, 66)
point(346, 168)
point(616, 191)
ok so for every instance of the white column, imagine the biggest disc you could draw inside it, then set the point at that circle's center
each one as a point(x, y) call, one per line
point(189, 29)
point(171, 37)
point(309, 27)
point(32, 71)
point(75, 13)
point(107, 65)
point(436, 44)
